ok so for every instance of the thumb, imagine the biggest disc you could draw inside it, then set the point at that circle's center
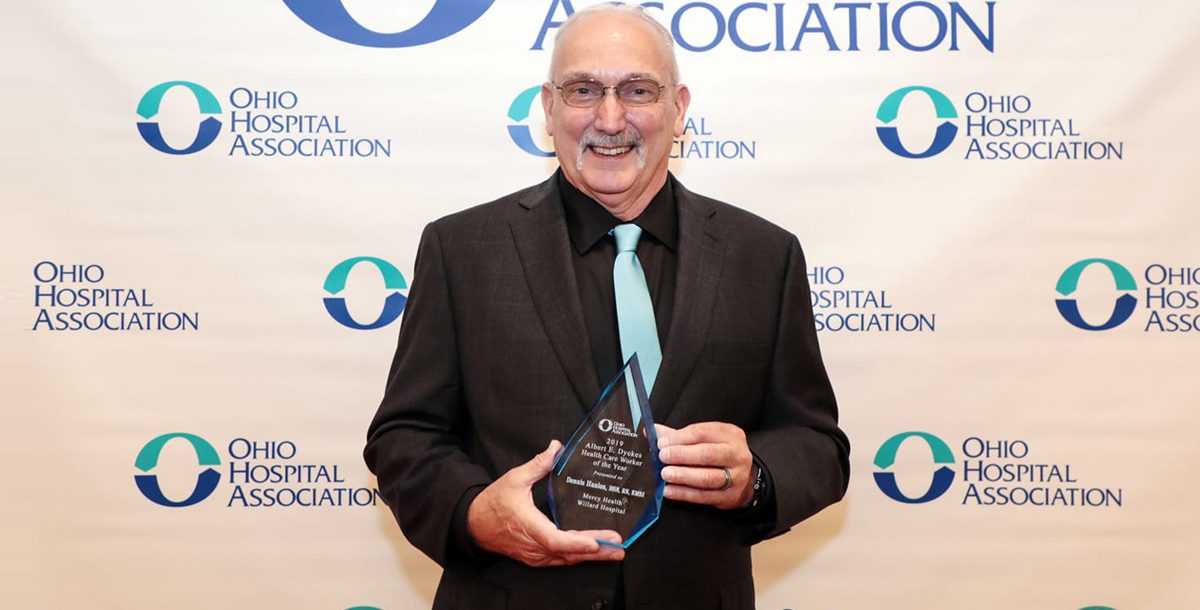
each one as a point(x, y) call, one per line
point(532, 471)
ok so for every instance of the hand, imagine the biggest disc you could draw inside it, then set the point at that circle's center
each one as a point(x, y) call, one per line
point(503, 519)
point(694, 456)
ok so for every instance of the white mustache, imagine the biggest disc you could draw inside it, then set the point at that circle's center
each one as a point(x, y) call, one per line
point(611, 140)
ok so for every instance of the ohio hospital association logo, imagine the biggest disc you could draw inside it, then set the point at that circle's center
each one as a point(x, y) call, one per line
point(76, 297)
point(996, 127)
point(889, 135)
point(995, 473)
point(885, 458)
point(446, 18)
point(261, 123)
point(147, 460)
point(207, 131)
point(1171, 298)
point(259, 474)
point(1123, 308)
point(393, 304)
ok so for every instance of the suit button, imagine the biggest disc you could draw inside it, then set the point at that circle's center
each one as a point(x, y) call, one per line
point(599, 604)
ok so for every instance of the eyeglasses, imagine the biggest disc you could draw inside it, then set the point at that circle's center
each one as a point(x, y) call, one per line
point(585, 93)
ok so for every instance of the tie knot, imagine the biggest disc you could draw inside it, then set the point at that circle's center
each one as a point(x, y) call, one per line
point(627, 236)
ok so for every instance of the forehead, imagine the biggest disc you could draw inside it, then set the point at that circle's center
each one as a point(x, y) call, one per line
point(614, 77)
point(611, 47)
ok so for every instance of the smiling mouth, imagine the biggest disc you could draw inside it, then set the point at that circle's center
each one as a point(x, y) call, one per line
point(617, 147)
point(610, 152)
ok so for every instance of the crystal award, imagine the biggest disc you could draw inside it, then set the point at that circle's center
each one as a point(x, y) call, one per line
point(608, 476)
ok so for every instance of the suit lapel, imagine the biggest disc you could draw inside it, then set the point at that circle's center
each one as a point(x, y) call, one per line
point(545, 253)
point(698, 275)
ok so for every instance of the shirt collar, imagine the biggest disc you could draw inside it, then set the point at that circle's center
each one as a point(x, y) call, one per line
point(588, 222)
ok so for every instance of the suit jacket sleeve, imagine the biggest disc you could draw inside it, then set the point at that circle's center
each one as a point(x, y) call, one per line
point(798, 442)
point(415, 444)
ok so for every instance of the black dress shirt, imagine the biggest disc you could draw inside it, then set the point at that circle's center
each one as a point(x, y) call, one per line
point(588, 224)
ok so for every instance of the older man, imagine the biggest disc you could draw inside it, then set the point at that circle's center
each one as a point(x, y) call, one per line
point(521, 307)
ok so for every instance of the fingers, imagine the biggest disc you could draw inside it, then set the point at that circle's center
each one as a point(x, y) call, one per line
point(696, 457)
point(704, 454)
point(557, 542)
point(606, 553)
point(603, 552)
point(698, 478)
point(663, 432)
point(706, 485)
point(608, 536)
point(719, 499)
point(556, 547)
point(702, 432)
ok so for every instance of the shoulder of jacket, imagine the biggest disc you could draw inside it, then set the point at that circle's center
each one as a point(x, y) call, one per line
point(476, 221)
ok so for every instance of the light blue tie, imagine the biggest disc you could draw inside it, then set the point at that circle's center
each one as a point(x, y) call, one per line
point(635, 312)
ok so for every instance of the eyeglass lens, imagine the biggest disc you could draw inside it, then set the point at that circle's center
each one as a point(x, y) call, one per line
point(636, 92)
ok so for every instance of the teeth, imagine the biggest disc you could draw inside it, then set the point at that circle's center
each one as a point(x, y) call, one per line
point(611, 151)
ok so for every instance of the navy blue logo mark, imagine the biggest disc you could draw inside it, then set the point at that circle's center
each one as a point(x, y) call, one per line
point(446, 18)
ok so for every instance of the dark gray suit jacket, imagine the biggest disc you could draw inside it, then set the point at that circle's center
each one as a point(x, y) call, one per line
point(493, 362)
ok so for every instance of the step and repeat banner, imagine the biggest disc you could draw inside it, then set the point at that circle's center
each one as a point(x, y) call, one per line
point(211, 212)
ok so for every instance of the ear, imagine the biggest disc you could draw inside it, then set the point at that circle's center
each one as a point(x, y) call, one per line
point(548, 101)
point(683, 98)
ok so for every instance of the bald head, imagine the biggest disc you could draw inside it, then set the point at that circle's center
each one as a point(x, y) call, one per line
point(634, 16)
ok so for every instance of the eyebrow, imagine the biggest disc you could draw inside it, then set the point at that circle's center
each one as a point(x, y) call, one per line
point(570, 76)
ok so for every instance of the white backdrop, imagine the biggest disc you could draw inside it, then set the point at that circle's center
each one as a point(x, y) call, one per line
point(245, 244)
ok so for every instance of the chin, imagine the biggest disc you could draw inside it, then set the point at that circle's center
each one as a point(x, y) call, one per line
point(607, 183)
point(606, 176)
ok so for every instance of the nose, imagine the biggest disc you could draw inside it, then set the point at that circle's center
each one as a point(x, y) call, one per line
point(610, 114)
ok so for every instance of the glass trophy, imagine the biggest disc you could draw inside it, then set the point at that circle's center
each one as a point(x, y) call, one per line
point(608, 476)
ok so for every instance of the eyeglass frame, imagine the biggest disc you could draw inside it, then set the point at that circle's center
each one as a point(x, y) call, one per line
point(604, 90)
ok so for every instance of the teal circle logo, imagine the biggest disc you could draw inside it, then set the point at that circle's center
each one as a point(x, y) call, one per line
point(393, 305)
point(446, 18)
point(147, 460)
point(1123, 307)
point(889, 110)
point(885, 458)
point(518, 112)
point(148, 108)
